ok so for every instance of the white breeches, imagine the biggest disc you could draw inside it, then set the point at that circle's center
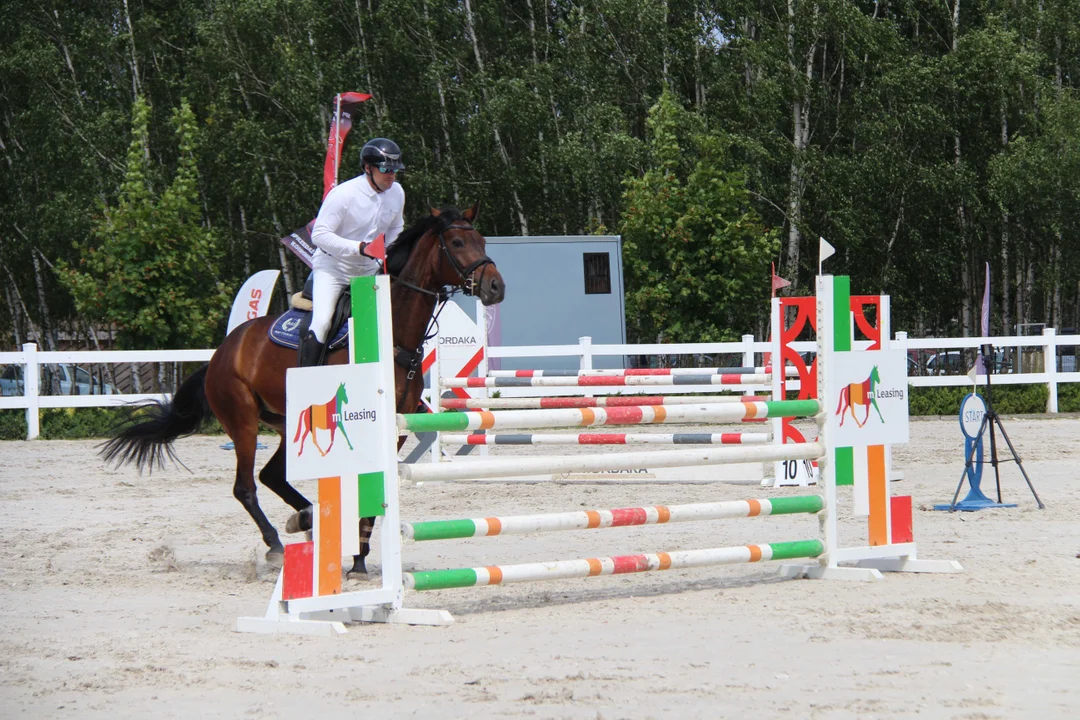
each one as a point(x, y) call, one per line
point(327, 289)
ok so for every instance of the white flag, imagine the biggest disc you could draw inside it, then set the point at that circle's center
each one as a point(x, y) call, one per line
point(825, 251)
point(253, 299)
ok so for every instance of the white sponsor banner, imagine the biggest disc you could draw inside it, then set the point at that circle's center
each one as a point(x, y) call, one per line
point(867, 401)
point(253, 299)
point(457, 342)
point(333, 422)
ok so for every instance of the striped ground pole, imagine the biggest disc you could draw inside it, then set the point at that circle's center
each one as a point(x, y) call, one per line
point(607, 381)
point(639, 372)
point(618, 517)
point(584, 417)
point(617, 565)
point(558, 403)
point(733, 438)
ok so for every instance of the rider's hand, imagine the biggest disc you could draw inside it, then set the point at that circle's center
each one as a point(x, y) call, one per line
point(363, 249)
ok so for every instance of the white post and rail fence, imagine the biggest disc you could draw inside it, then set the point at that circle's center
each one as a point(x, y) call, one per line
point(1024, 360)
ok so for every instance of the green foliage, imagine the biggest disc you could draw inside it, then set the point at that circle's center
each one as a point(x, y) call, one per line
point(1069, 398)
point(695, 253)
point(1018, 399)
point(153, 273)
point(929, 148)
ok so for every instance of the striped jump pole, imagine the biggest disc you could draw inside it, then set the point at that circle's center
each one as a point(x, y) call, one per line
point(610, 439)
point(638, 372)
point(584, 417)
point(559, 403)
point(617, 565)
point(521, 466)
point(619, 517)
point(608, 381)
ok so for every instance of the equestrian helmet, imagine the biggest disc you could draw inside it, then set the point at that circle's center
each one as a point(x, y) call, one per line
point(383, 154)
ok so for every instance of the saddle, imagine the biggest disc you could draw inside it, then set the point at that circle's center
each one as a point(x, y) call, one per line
point(293, 325)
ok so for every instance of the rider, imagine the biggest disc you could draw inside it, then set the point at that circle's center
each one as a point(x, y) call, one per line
point(352, 216)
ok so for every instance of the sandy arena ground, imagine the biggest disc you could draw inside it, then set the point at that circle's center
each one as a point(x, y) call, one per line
point(119, 594)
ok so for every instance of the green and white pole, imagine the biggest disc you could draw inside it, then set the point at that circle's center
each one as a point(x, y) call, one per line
point(616, 565)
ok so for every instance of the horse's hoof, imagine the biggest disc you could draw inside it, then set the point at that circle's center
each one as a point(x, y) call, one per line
point(275, 557)
point(359, 567)
point(299, 522)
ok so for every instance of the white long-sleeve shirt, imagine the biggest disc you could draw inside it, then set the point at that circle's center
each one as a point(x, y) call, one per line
point(353, 213)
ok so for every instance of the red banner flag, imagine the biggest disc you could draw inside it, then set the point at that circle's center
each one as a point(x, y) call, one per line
point(345, 105)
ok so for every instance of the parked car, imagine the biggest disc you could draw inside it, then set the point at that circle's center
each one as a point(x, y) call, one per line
point(947, 363)
point(11, 380)
point(73, 380)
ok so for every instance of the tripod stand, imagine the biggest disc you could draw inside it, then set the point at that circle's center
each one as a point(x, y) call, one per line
point(990, 420)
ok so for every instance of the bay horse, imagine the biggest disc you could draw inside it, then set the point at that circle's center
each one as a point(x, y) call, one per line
point(862, 393)
point(244, 382)
point(323, 416)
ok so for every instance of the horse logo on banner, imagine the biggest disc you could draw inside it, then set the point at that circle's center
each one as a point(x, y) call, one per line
point(327, 416)
point(863, 393)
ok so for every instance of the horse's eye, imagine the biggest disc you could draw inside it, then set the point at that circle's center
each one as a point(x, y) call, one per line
point(458, 243)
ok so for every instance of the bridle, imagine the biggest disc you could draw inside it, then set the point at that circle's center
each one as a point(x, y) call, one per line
point(411, 360)
point(468, 285)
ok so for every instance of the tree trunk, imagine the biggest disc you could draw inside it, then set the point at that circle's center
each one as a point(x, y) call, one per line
point(286, 268)
point(800, 113)
point(444, 118)
point(471, 29)
point(136, 84)
point(1006, 315)
point(48, 331)
point(380, 109)
point(967, 289)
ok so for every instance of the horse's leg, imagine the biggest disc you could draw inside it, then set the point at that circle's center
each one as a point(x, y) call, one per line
point(273, 477)
point(367, 526)
point(242, 425)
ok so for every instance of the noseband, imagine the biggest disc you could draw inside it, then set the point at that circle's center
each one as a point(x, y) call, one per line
point(468, 285)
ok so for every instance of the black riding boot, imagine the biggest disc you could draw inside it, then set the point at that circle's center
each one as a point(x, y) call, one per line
point(311, 350)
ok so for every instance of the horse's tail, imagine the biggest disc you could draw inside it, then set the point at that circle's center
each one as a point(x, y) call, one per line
point(841, 403)
point(146, 436)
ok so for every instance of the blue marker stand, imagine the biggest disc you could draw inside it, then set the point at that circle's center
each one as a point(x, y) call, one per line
point(972, 412)
point(232, 446)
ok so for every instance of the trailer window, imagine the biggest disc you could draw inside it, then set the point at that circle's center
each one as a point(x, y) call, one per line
point(597, 274)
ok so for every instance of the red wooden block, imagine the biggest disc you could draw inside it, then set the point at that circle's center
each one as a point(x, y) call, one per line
point(297, 579)
point(903, 530)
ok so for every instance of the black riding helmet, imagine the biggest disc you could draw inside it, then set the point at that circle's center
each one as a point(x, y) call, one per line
point(383, 154)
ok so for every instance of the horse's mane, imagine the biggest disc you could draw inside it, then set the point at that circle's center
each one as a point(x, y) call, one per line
point(399, 252)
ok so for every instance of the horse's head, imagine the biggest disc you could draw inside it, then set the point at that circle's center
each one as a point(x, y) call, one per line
point(342, 396)
point(444, 249)
point(874, 375)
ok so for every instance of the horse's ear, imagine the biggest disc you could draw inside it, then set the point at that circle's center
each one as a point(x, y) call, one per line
point(472, 212)
point(436, 212)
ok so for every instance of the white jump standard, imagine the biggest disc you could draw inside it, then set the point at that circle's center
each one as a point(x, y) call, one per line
point(361, 478)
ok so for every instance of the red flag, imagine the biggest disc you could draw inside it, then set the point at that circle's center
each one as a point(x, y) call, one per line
point(377, 248)
point(345, 105)
point(778, 282)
